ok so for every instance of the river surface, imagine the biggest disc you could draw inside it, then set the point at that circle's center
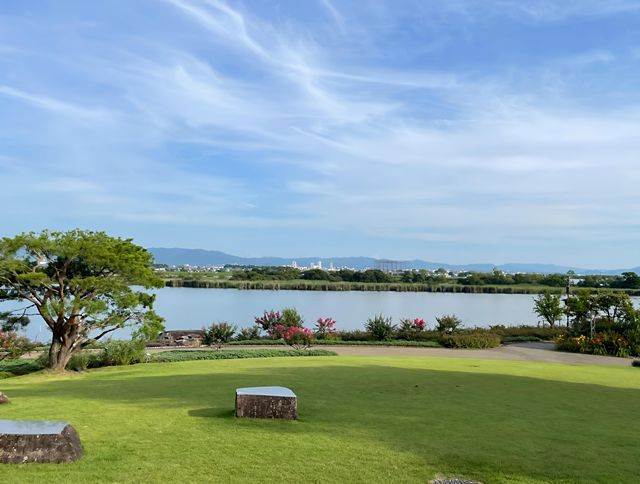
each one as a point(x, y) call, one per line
point(190, 308)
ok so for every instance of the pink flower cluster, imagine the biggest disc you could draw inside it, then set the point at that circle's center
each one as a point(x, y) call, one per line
point(326, 326)
point(418, 324)
point(297, 337)
point(269, 322)
point(12, 345)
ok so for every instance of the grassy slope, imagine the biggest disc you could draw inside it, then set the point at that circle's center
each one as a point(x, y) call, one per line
point(361, 420)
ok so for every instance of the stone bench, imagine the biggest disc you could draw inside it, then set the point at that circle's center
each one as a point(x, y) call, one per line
point(23, 441)
point(266, 402)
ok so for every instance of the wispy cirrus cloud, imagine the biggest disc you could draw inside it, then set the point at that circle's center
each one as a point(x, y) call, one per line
point(414, 135)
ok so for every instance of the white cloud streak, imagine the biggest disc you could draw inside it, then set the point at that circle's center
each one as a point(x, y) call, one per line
point(262, 126)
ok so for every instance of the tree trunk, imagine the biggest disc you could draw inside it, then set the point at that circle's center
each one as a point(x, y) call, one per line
point(59, 354)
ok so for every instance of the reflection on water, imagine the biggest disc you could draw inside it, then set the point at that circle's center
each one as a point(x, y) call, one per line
point(189, 308)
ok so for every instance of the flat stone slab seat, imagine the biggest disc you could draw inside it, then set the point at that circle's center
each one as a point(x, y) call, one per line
point(266, 402)
point(23, 441)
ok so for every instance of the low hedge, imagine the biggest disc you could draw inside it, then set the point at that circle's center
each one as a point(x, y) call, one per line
point(187, 355)
point(520, 339)
point(394, 342)
point(20, 367)
point(471, 340)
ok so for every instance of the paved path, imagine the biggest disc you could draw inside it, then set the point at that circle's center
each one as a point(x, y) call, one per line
point(520, 352)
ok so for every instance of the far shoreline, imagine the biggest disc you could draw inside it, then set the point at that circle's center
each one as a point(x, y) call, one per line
point(298, 285)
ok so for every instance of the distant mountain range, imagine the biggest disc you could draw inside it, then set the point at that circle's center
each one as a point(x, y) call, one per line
point(201, 257)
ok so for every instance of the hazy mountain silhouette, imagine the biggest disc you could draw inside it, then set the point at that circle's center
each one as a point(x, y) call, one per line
point(201, 257)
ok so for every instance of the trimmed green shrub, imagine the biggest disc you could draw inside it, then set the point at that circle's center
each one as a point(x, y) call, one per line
point(218, 334)
point(478, 340)
point(380, 328)
point(546, 333)
point(182, 355)
point(356, 335)
point(5, 374)
point(449, 323)
point(118, 352)
point(520, 339)
point(80, 361)
point(249, 333)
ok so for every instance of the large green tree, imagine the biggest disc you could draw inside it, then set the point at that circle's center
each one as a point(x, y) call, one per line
point(82, 285)
point(548, 307)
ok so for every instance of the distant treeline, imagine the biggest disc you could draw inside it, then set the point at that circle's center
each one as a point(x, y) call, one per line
point(628, 280)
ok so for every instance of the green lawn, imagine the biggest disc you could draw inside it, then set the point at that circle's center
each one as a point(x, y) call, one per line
point(361, 420)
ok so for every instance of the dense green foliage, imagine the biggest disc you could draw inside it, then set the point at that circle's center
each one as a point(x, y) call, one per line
point(548, 307)
point(218, 334)
point(373, 420)
point(410, 280)
point(80, 284)
point(604, 323)
point(380, 327)
point(448, 323)
point(13, 346)
point(476, 339)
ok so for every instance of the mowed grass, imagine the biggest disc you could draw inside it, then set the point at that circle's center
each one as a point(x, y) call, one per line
point(361, 420)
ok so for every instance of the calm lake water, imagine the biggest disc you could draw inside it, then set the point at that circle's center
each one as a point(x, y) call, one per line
point(190, 308)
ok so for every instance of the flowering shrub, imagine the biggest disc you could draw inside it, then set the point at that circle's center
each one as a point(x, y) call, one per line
point(13, 346)
point(297, 337)
point(414, 325)
point(602, 343)
point(325, 329)
point(268, 322)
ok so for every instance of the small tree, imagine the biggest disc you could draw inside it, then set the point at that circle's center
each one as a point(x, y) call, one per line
point(380, 327)
point(249, 333)
point(268, 322)
point(81, 284)
point(297, 337)
point(292, 318)
point(325, 328)
point(548, 307)
point(449, 323)
point(13, 346)
point(218, 334)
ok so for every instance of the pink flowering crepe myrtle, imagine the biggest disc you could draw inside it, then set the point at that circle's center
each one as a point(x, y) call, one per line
point(326, 327)
point(297, 337)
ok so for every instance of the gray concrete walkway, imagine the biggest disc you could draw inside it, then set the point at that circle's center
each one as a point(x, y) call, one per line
point(544, 352)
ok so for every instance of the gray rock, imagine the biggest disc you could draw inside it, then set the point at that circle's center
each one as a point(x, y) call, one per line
point(4, 398)
point(23, 441)
point(266, 402)
point(453, 481)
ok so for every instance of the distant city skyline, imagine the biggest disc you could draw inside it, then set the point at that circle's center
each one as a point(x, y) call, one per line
point(464, 131)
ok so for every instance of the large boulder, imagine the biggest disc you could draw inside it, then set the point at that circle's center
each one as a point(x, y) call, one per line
point(23, 441)
point(266, 402)
point(3, 398)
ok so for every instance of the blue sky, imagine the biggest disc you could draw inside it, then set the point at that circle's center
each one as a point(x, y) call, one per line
point(457, 131)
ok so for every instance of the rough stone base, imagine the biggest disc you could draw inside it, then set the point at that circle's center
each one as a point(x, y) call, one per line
point(454, 481)
point(57, 445)
point(260, 404)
